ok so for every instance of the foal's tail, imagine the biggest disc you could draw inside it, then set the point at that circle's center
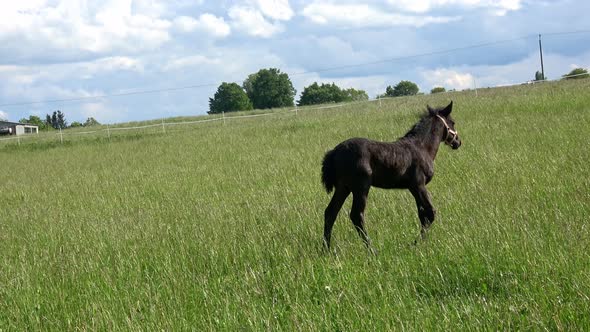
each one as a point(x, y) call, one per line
point(329, 171)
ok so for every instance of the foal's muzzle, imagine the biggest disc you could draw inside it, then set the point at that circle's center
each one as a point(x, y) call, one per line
point(452, 139)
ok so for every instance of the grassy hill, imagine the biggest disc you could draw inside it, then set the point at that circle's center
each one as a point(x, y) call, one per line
point(218, 227)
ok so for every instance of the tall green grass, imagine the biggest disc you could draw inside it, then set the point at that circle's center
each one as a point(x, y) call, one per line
point(218, 227)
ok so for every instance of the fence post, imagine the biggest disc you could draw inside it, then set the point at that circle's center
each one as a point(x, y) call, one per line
point(475, 86)
point(61, 136)
point(223, 115)
point(379, 97)
point(108, 132)
point(18, 139)
point(163, 126)
point(295, 109)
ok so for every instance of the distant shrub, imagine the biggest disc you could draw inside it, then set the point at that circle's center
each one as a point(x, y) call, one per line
point(329, 93)
point(403, 88)
point(577, 74)
point(438, 89)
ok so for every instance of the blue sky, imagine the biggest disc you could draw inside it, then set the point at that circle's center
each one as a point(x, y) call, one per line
point(64, 49)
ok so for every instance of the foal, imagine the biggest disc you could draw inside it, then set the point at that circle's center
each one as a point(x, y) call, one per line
point(359, 163)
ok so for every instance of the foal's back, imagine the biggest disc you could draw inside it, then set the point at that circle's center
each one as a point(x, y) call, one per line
point(362, 162)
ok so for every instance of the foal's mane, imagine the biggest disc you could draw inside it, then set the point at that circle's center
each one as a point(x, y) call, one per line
point(423, 125)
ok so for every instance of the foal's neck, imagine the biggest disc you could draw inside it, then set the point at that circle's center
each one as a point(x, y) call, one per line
point(430, 140)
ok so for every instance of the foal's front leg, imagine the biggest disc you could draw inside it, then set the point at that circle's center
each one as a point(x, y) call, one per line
point(426, 211)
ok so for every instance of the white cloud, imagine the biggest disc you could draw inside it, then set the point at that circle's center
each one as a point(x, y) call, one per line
point(498, 7)
point(213, 25)
point(275, 9)
point(24, 76)
point(83, 26)
point(50, 82)
point(186, 23)
point(448, 78)
point(363, 15)
point(252, 22)
point(3, 116)
point(191, 61)
point(44, 91)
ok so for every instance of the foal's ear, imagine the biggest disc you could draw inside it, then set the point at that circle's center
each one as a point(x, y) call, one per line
point(431, 110)
point(447, 110)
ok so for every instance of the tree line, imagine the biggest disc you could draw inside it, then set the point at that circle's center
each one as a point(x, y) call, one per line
point(270, 88)
point(57, 120)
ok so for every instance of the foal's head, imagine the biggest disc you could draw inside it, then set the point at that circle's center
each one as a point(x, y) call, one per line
point(442, 116)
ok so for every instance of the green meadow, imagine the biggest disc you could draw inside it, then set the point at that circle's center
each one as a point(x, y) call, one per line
point(218, 225)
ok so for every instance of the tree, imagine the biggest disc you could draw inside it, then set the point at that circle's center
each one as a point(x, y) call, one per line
point(229, 97)
point(438, 89)
point(75, 124)
point(576, 74)
point(329, 93)
point(389, 92)
point(539, 76)
point(269, 88)
point(57, 120)
point(356, 95)
point(91, 122)
point(248, 85)
point(34, 120)
point(61, 120)
point(403, 88)
point(54, 123)
point(321, 94)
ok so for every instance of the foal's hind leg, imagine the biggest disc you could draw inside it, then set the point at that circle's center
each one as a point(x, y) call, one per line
point(426, 211)
point(357, 214)
point(340, 195)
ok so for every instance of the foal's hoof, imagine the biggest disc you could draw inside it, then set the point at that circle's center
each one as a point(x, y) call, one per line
point(420, 238)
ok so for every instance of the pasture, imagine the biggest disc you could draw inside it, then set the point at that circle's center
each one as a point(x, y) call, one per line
point(219, 227)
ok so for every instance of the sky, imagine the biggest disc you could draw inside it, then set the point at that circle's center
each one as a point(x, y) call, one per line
point(181, 50)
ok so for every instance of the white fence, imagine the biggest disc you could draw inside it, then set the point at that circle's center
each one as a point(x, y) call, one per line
point(107, 131)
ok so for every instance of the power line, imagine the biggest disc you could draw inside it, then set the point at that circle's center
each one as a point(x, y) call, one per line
point(413, 56)
point(197, 86)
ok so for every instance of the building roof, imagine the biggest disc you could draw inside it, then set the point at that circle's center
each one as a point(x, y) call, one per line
point(8, 123)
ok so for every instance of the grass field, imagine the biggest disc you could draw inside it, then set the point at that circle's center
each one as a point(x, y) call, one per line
point(218, 227)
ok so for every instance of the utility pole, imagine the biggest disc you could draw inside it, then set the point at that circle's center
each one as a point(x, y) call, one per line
point(541, 53)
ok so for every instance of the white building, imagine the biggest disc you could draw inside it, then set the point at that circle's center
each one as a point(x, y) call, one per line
point(16, 128)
